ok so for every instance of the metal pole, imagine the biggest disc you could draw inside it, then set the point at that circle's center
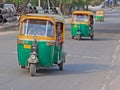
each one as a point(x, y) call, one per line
point(39, 3)
point(48, 5)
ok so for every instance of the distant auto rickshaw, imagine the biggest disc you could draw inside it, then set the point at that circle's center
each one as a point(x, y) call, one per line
point(40, 42)
point(99, 15)
point(82, 24)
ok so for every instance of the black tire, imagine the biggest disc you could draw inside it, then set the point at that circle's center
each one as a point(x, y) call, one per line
point(60, 66)
point(72, 37)
point(32, 69)
point(78, 37)
point(92, 37)
point(22, 66)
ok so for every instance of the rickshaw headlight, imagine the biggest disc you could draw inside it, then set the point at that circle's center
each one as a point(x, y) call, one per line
point(32, 56)
point(75, 26)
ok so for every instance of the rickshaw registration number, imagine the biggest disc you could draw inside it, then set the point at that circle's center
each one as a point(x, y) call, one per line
point(27, 46)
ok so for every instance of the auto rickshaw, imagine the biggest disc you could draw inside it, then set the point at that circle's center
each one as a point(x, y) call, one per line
point(39, 44)
point(99, 15)
point(82, 24)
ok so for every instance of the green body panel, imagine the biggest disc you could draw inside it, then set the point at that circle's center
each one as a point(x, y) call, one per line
point(47, 55)
point(99, 18)
point(85, 30)
point(22, 54)
point(57, 54)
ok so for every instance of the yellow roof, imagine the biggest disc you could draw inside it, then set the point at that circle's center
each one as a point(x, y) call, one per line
point(100, 11)
point(83, 12)
point(58, 18)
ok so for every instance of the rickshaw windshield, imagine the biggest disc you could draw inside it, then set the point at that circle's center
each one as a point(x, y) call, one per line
point(37, 27)
point(80, 18)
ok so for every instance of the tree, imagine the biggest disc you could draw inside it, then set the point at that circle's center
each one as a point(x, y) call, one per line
point(1, 1)
point(24, 5)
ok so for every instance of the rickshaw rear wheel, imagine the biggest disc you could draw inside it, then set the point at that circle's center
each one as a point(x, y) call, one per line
point(22, 66)
point(72, 37)
point(32, 69)
point(60, 66)
point(92, 37)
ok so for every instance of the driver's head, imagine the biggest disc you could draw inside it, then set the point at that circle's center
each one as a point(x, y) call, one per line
point(58, 26)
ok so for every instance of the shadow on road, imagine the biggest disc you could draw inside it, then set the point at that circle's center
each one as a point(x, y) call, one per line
point(70, 69)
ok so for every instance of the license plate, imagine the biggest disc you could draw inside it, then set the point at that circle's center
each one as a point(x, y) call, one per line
point(27, 46)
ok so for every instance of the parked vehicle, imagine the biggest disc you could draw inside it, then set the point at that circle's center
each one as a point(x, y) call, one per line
point(40, 10)
point(11, 6)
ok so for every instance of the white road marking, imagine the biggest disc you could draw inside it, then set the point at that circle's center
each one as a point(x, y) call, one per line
point(11, 89)
point(109, 76)
point(8, 32)
point(103, 87)
point(14, 52)
point(77, 56)
point(7, 52)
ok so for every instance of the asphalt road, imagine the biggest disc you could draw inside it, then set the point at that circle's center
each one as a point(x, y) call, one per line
point(90, 64)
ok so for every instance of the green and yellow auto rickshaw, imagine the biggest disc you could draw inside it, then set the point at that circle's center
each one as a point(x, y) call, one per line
point(40, 41)
point(99, 15)
point(82, 24)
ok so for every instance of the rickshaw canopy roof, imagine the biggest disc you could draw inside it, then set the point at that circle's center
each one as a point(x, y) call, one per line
point(57, 18)
point(100, 12)
point(83, 12)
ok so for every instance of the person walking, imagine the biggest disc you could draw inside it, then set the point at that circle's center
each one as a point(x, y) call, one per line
point(111, 3)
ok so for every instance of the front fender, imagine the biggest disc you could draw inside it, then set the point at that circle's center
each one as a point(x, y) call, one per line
point(30, 61)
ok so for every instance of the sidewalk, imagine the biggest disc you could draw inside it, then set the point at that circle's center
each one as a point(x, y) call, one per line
point(8, 26)
point(67, 20)
point(13, 25)
point(111, 10)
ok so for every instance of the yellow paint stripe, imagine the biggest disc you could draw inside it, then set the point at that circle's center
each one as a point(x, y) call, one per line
point(37, 17)
point(38, 37)
point(26, 46)
point(80, 23)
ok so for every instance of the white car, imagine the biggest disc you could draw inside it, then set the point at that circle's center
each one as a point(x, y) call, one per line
point(40, 10)
point(11, 6)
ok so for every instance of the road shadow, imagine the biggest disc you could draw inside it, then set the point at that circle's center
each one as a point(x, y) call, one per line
point(74, 69)
point(103, 39)
point(95, 39)
point(110, 31)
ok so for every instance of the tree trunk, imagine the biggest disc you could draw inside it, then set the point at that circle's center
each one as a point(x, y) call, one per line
point(1, 1)
point(10, 1)
point(63, 8)
point(24, 5)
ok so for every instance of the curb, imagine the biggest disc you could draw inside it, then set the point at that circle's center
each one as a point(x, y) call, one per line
point(67, 20)
point(9, 27)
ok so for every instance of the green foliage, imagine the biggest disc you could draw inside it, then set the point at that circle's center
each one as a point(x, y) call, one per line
point(58, 2)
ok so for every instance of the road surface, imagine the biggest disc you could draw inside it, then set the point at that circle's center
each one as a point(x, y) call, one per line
point(90, 64)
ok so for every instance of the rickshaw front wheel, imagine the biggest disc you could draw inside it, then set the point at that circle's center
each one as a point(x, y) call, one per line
point(60, 66)
point(32, 69)
point(72, 37)
point(78, 37)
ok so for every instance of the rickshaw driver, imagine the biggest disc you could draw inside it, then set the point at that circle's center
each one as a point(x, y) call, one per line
point(81, 18)
point(58, 34)
point(91, 21)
